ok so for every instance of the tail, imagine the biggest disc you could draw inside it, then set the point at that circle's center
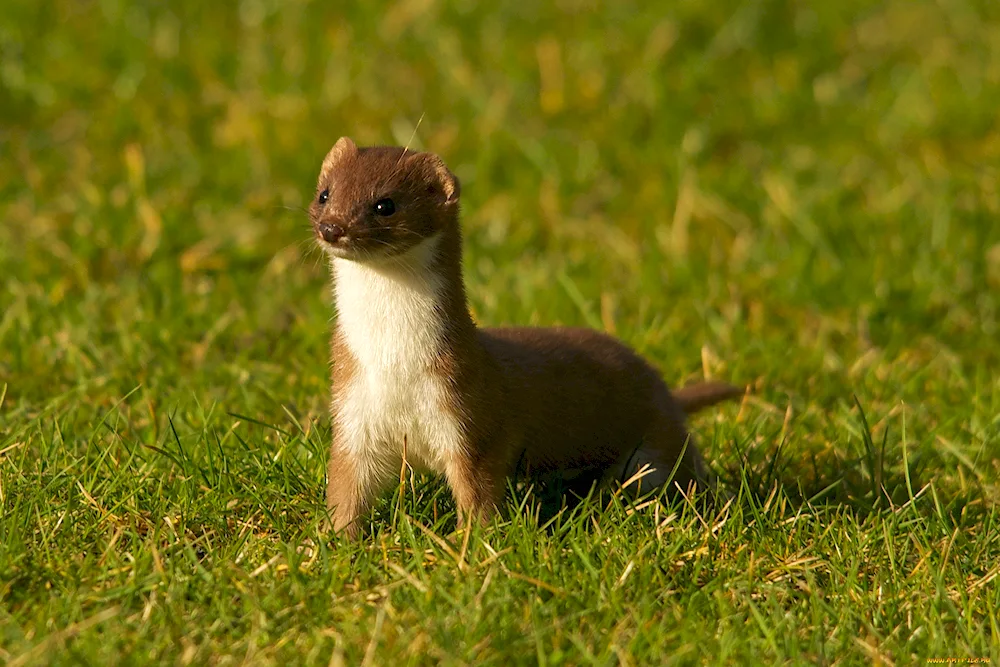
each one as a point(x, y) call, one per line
point(694, 397)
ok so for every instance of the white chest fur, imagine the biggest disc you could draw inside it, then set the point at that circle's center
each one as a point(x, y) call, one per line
point(389, 316)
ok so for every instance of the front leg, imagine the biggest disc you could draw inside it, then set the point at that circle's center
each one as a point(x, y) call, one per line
point(477, 485)
point(353, 482)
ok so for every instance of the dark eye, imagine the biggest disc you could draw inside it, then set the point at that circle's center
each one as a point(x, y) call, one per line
point(385, 207)
point(323, 196)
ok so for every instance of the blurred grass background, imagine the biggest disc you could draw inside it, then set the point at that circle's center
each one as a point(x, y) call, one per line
point(800, 198)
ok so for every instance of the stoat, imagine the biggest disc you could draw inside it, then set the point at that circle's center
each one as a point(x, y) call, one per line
point(414, 377)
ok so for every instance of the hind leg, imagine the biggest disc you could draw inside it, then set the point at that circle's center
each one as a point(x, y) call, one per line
point(666, 455)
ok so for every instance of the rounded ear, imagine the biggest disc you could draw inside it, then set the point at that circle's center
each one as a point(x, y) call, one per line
point(442, 176)
point(340, 150)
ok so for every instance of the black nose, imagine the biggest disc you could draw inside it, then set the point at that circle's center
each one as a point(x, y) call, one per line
point(330, 232)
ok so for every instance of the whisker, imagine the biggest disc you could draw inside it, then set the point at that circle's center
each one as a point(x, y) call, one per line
point(398, 166)
point(412, 136)
point(284, 207)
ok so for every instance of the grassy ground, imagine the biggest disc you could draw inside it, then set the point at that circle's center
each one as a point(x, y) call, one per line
point(804, 200)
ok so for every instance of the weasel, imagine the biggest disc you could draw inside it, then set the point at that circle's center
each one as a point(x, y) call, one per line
point(415, 380)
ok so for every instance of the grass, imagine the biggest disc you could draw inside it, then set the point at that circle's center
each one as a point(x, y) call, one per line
point(802, 199)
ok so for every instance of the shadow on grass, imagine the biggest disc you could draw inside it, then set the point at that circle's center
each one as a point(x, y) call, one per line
point(869, 477)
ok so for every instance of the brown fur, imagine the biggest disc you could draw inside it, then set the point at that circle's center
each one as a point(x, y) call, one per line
point(559, 402)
